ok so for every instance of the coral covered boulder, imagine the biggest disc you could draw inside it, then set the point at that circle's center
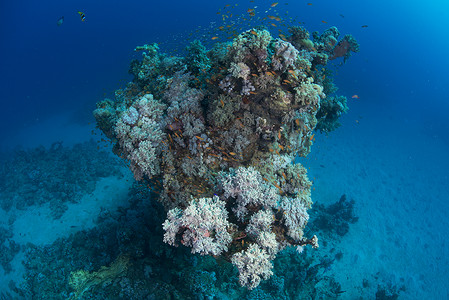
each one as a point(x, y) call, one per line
point(219, 146)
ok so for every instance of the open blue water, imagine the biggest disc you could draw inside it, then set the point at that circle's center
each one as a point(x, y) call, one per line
point(390, 155)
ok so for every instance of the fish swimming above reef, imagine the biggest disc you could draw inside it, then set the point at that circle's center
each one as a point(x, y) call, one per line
point(82, 16)
point(60, 21)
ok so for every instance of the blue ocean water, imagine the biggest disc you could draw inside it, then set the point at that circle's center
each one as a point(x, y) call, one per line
point(389, 155)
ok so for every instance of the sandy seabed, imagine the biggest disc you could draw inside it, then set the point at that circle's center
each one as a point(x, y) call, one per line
point(396, 172)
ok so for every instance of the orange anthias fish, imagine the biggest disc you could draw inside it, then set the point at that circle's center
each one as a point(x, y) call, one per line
point(251, 12)
point(274, 18)
point(355, 97)
point(274, 4)
point(214, 37)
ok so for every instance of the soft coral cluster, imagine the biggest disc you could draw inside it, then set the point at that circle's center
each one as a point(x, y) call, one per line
point(220, 144)
point(203, 225)
point(140, 135)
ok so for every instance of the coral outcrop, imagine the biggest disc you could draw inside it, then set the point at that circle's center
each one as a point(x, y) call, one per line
point(216, 135)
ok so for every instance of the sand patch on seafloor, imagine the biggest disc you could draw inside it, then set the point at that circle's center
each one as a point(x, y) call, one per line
point(36, 225)
point(397, 180)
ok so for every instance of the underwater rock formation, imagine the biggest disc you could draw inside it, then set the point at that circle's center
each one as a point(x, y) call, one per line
point(216, 134)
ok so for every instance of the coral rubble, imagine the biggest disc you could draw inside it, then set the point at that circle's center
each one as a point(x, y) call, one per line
point(216, 134)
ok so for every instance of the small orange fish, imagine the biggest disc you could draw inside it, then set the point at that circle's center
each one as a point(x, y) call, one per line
point(274, 4)
point(355, 97)
point(253, 32)
point(232, 153)
point(364, 26)
point(274, 25)
point(214, 37)
point(253, 93)
point(309, 4)
point(323, 22)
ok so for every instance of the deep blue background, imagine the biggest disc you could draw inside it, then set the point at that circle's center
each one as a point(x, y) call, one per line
point(48, 70)
point(392, 149)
